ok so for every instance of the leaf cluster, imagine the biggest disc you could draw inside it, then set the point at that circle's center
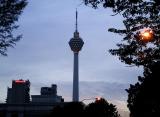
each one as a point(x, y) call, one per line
point(138, 15)
point(10, 10)
point(143, 97)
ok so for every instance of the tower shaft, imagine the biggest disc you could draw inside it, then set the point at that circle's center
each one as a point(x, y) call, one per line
point(76, 44)
point(75, 78)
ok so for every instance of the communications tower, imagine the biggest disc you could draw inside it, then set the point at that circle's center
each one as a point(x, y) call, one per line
point(76, 44)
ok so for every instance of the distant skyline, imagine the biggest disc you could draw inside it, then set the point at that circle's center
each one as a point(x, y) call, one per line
point(44, 57)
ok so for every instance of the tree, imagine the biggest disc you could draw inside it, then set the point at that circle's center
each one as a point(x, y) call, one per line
point(70, 109)
point(105, 3)
point(101, 108)
point(138, 15)
point(143, 97)
point(10, 10)
point(140, 47)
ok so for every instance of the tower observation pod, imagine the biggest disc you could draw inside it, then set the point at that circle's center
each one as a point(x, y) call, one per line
point(76, 44)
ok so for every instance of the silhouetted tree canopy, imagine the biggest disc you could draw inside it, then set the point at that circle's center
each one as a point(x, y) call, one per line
point(143, 97)
point(70, 109)
point(99, 108)
point(138, 15)
point(9, 14)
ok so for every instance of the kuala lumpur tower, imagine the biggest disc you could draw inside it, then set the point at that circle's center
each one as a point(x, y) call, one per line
point(76, 44)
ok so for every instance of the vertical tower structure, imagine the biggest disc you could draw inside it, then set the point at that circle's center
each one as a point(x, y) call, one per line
point(76, 44)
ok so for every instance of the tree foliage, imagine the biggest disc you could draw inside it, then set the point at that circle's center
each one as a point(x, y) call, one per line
point(138, 15)
point(143, 97)
point(10, 11)
point(69, 109)
point(95, 3)
point(99, 108)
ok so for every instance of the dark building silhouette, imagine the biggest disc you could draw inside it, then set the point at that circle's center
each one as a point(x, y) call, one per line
point(19, 93)
point(49, 90)
point(18, 103)
point(48, 95)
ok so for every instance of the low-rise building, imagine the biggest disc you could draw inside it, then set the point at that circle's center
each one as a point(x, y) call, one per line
point(48, 95)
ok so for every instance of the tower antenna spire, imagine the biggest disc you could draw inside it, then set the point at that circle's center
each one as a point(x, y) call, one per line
point(76, 20)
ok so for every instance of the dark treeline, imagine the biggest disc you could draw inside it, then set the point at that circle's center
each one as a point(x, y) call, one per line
point(99, 108)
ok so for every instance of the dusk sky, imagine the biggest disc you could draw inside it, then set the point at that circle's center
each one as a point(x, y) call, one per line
point(44, 57)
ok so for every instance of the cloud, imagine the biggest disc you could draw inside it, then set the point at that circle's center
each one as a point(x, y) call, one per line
point(113, 92)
